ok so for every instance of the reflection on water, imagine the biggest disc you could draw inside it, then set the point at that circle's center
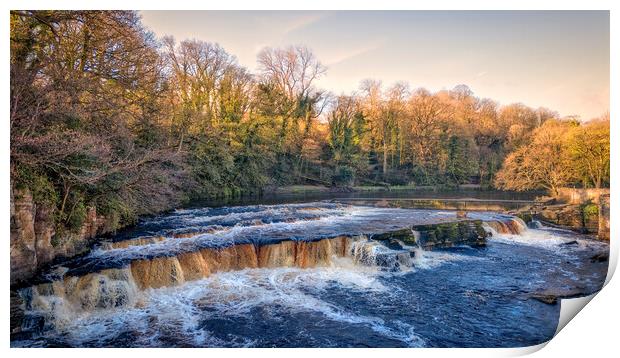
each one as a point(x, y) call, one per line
point(300, 197)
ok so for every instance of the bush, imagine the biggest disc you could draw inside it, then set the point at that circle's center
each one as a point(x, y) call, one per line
point(344, 176)
point(41, 187)
point(117, 212)
point(77, 213)
point(589, 211)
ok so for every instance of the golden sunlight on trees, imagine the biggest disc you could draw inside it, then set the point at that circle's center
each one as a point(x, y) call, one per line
point(346, 125)
point(543, 163)
point(561, 152)
point(103, 114)
point(589, 151)
point(199, 71)
point(287, 81)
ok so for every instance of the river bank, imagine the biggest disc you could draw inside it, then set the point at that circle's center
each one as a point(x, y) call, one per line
point(585, 211)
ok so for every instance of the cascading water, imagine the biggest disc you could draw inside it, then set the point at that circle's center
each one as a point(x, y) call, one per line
point(317, 274)
point(535, 224)
point(506, 225)
point(372, 253)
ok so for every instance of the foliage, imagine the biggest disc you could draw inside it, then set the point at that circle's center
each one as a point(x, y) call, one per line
point(589, 150)
point(589, 210)
point(560, 153)
point(105, 115)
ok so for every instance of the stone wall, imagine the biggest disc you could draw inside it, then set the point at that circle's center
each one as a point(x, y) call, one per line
point(603, 222)
point(580, 196)
point(34, 241)
point(577, 217)
point(584, 210)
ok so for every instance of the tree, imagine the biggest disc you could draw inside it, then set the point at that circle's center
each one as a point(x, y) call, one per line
point(544, 163)
point(206, 87)
point(517, 122)
point(346, 127)
point(85, 92)
point(104, 114)
point(427, 126)
point(461, 163)
point(289, 75)
point(589, 151)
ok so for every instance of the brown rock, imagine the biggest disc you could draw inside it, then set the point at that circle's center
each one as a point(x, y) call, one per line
point(23, 238)
point(548, 299)
point(44, 231)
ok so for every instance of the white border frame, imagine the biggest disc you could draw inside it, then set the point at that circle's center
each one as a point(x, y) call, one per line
point(593, 331)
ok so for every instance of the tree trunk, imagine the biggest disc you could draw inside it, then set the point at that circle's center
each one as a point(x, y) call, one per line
point(384, 158)
point(180, 142)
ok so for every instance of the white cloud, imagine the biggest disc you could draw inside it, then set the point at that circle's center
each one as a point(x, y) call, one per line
point(348, 54)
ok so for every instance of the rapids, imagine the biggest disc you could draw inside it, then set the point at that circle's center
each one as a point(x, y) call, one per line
point(310, 275)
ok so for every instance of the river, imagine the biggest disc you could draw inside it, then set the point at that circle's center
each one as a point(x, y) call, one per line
point(452, 297)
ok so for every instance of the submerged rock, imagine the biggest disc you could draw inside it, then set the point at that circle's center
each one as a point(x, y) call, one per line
point(375, 253)
point(600, 257)
point(551, 296)
point(548, 299)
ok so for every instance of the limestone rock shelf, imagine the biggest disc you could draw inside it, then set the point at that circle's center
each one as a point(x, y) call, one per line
point(114, 273)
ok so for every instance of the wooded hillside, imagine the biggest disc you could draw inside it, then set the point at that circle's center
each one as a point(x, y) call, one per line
point(104, 114)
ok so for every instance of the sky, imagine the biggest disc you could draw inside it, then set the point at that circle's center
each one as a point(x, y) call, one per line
point(553, 59)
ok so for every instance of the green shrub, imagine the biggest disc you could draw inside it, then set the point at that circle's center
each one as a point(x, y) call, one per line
point(41, 187)
point(526, 217)
point(589, 211)
point(117, 212)
point(344, 176)
point(75, 212)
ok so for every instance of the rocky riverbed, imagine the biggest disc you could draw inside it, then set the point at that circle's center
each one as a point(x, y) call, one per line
point(312, 274)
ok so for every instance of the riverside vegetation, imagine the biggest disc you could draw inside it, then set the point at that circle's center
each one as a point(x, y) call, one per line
point(108, 123)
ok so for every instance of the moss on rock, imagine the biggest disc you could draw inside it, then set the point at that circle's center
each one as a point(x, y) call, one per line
point(464, 232)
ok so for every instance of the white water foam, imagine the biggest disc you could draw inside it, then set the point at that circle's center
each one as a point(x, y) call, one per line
point(545, 238)
point(346, 219)
point(179, 310)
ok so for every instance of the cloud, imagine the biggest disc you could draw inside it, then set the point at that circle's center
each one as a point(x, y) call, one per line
point(303, 21)
point(348, 54)
point(280, 24)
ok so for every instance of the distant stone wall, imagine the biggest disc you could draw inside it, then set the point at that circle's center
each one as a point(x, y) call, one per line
point(603, 221)
point(584, 210)
point(580, 196)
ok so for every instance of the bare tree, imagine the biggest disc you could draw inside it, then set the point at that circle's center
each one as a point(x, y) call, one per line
point(294, 69)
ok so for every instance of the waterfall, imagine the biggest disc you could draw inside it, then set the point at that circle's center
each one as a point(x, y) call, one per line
point(372, 253)
point(58, 300)
point(56, 303)
point(118, 273)
point(535, 224)
point(508, 225)
point(139, 241)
